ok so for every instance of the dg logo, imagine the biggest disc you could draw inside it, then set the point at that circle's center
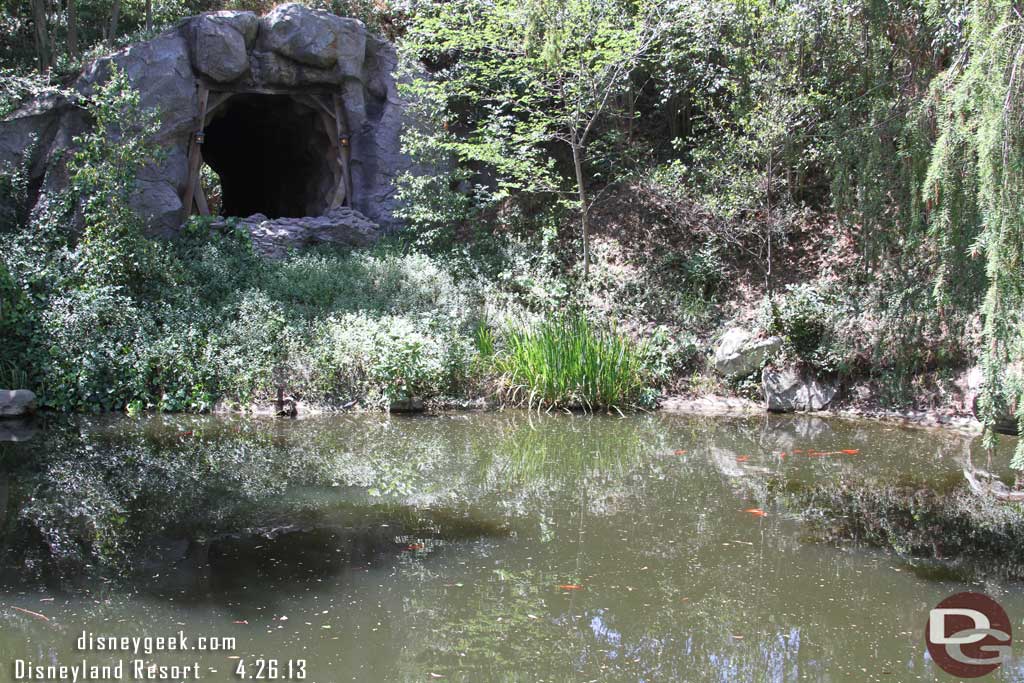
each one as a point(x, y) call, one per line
point(969, 635)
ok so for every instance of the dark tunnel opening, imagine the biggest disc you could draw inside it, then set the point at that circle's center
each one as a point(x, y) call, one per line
point(273, 156)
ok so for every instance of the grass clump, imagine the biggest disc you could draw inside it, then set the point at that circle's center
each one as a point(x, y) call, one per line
point(567, 362)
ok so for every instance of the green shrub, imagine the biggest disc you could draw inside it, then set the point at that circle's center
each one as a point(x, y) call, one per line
point(14, 188)
point(18, 86)
point(92, 350)
point(184, 370)
point(565, 361)
point(380, 360)
point(16, 320)
point(253, 351)
point(103, 171)
point(804, 317)
point(669, 353)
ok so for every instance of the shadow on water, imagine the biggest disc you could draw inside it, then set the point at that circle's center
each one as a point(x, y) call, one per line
point(275, 561)
point(198, 507)
point(494, 546)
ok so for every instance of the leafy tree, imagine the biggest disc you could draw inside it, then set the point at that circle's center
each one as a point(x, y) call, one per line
point(103, 173)
point(514, 78)
point(41, 35)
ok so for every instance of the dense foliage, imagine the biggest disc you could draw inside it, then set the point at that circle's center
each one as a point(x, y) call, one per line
point(882, 137)
point(109, 319)
point(844, 173)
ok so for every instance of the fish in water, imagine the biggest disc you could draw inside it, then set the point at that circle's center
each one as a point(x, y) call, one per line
point(757, 512)
point(847, 451)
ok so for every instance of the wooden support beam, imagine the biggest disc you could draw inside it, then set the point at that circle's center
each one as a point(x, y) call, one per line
point(216, 102)
point(195, 156)
point(345, 157)
point(332, 124)
point(334, 151)
point(201, 203)
point(249, 89)
point(314, 102)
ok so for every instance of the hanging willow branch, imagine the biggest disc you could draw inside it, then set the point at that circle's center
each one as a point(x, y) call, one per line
point(977, 174)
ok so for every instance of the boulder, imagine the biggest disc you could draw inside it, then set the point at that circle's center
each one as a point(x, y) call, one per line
point(161, 70)
point(1006, 419)
point(35, 123)
point(740, 354)
point(158, 203)
point(788, 390)
point(340, 227)
point(273, 69)
point(16, 402)
point(314, 37)
point(246, 23)
point(219, 44)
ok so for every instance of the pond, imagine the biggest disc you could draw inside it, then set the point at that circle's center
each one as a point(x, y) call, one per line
point(498, 546)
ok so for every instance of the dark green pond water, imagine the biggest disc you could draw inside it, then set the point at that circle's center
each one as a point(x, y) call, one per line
point(474, 547)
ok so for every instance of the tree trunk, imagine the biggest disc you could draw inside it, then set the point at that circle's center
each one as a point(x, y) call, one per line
point(149, 15)
point(42, 37)
point(72, 29)
point(577, 162)
point(115, 16)
point(771, 229)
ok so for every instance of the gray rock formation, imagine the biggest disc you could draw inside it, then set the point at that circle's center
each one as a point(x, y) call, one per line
point(221, 43)
point(315, 38)
point(17, 430)
point(16, 402)
point(1006, 417)
point(788, 390)
point(270, 126)
point(406, 405)
point(740, 354)
point(341, 227)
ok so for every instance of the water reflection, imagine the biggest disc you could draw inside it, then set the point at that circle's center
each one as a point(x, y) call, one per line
point(15, 429)
point(485, 547)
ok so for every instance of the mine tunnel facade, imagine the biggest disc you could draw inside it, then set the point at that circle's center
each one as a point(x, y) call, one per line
point(274, 155)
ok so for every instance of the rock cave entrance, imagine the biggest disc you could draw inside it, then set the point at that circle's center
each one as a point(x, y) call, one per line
point(274, 156)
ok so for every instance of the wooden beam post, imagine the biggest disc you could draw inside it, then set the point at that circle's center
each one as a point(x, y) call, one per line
point(215, 103)
point(195, 154)
point(345, 145)
point(201, 203)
